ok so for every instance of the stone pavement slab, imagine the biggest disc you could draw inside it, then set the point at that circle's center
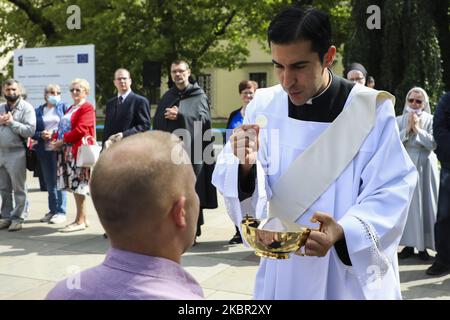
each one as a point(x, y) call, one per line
point(35, 258)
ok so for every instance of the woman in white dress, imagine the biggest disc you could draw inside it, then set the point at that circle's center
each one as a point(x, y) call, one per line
point(416, 133)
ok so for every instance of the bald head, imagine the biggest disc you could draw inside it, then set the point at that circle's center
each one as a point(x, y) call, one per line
point(137, 180)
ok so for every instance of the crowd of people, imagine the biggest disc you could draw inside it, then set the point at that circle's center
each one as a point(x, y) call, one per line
point(58, 129)
point(365, 208)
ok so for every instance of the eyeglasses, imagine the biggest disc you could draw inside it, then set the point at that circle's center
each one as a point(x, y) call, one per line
point(76, 90)
point(247, 93)
point(416, 100)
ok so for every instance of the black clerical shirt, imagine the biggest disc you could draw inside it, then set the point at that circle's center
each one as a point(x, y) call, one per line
point(326, 106)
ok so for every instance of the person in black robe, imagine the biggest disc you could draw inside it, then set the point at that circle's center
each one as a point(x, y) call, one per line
point(184, 111)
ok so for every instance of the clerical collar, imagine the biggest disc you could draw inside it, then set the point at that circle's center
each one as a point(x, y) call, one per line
point(327, 105)
point(330, 80)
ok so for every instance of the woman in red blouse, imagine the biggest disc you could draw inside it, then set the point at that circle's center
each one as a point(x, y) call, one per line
point(77, 123)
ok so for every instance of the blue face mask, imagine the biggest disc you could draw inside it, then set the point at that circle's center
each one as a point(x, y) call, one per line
point(54, 100)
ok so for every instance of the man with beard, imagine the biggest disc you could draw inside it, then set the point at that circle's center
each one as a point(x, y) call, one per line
point(184, 111)
point(17, 122)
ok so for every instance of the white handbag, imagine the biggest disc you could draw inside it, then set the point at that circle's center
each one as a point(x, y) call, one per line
point(88, 153)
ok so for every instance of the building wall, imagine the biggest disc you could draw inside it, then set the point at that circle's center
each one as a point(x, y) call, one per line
point(224, 84)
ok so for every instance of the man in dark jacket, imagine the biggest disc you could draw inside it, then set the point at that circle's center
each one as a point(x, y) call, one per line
point(184, 111)
point(127, 113)
point(441, 132)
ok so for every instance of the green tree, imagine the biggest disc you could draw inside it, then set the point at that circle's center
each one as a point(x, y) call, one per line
point(128, 32)
point(340, 16)
point(441, 15)
point(404, 53)
point(363, 45)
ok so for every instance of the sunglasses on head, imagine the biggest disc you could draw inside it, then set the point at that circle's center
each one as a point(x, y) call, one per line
point(75, 90)
point(416, 100)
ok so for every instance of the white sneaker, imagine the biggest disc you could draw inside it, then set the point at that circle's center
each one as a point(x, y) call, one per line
point(58, 218)
point(16, 225)
point(4, 223)
point(47, 217)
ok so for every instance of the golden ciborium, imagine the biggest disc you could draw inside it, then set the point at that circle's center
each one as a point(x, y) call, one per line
point(274, 238)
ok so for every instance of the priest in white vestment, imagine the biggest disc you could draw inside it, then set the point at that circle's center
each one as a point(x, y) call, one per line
point(347, 169)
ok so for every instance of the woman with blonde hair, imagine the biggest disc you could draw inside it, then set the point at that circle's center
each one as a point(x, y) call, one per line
point(416, 133)
point(48, 117)
point(77, 123)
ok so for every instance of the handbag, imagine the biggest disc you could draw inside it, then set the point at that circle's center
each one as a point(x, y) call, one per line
point(32, 159)
point(30, 156)
point(88, 154)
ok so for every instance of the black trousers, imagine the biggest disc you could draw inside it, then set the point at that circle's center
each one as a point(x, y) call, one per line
point(442, 226)
point(200, 221)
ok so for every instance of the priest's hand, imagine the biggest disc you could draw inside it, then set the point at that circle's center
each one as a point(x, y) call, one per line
point(244, 142)
point(319, 242)
point(171, 113)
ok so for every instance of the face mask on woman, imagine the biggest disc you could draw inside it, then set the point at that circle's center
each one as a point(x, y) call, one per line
point(417, 111)
point(54, 100)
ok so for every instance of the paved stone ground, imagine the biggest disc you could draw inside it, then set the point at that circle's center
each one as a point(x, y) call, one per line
point(34, 259)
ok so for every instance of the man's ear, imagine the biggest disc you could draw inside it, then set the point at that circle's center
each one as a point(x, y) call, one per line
point(177, 213)
point(329, 57)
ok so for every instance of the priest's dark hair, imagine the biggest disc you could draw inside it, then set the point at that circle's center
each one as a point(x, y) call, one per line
point(301, 23)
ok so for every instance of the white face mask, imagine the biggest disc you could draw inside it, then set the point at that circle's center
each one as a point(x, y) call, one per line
point(54, 100)
point(418, 111)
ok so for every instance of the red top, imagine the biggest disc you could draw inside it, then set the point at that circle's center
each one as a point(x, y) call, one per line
point(83, 124)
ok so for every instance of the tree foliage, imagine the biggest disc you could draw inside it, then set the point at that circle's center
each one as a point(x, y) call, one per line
point(404, 53)
point(128, 32)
